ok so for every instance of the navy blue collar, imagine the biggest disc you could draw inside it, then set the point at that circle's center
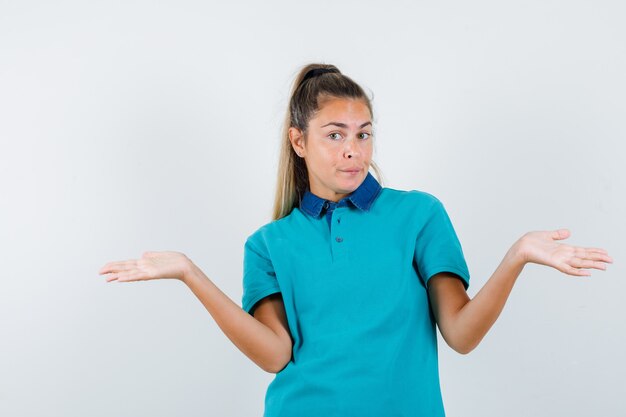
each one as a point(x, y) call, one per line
point(362, 198)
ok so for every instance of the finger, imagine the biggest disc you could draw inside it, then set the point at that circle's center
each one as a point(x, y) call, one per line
point(107, 268)
point(560, 234)
point(124, 276)
point(599, 255)
point(118, 266)
point(132, 276)
point(585, 263)
point(104, 269)
point(592, 254)
point(598, 250)
point(574, 271)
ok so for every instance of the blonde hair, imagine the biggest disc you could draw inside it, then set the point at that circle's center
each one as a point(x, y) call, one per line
point(313, 83)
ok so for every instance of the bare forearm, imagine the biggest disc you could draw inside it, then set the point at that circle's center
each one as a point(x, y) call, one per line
point(464, 322)
point(475, 318)
point(253, 338)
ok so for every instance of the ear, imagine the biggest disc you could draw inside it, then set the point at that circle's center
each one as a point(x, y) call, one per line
point(296, 137)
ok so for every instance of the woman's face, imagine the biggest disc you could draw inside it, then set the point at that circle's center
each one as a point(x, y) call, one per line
point(338, 147)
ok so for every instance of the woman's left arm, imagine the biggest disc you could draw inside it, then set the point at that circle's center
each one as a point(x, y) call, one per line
point(463, 322)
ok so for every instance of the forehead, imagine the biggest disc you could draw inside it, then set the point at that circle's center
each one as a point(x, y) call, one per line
point(344, 110)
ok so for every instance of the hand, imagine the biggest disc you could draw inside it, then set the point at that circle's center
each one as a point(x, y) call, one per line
point(541, 248)
point(152, 265)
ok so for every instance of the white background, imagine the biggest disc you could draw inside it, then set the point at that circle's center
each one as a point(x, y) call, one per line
point(134, 126)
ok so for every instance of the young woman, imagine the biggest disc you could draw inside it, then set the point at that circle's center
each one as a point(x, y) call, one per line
point(343, 289)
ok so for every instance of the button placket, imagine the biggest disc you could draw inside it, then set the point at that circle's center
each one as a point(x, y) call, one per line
point(338, 243)
point(337, 228)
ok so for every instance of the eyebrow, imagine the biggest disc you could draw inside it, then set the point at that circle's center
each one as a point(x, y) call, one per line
point(343, 125)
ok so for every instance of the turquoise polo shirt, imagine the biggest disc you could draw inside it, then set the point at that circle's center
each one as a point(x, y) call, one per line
point(353, 276)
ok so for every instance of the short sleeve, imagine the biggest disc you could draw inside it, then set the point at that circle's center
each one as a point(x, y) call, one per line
point(437, 247)
point(259, 278)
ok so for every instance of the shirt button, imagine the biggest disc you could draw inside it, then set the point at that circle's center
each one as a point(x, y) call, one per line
point(339, 239)
point(339, 220)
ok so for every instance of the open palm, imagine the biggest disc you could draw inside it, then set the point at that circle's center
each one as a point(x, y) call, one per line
point(152, 265)
point(541, 247)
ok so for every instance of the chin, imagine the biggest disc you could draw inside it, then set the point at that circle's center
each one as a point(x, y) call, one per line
point(351, 184)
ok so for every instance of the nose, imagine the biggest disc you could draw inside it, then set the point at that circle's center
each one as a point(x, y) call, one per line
point(349, 150)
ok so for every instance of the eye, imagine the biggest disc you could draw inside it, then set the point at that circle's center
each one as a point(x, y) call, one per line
point(364, 135)
point(332, 137)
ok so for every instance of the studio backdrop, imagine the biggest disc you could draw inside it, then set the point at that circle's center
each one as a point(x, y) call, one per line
point(137, 126)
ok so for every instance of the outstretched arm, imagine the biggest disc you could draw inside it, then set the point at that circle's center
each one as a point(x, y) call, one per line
point(264, 338)
point(463, 322)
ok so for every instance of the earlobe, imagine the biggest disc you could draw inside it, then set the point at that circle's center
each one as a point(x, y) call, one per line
point(295, 137)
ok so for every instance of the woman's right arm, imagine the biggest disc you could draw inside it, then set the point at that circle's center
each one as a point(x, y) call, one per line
point(264, 338)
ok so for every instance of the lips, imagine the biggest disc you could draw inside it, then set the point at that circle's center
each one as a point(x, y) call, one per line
point(351, 170)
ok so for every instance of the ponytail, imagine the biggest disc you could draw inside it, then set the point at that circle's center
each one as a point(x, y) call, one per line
point(313, 83)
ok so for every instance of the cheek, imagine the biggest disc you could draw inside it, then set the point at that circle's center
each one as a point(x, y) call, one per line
point(330, 152)
point(367, 149)
point(325, 155)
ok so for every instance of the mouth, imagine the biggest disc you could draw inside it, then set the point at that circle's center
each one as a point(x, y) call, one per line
point(350, 171)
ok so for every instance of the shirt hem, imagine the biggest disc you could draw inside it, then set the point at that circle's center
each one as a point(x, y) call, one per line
point(461, 274)
point(247, 306)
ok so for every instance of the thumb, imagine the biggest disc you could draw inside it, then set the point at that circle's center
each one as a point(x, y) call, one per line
point(560, 234)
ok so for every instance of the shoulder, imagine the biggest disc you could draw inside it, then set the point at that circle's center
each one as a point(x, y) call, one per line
point(409, 199)
point(272, 230)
